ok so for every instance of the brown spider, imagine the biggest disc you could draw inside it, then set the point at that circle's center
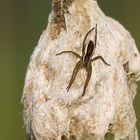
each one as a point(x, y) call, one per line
point(85, 60)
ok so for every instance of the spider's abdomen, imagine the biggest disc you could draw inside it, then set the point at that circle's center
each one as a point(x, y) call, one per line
point(90, 48)
point(86, 60)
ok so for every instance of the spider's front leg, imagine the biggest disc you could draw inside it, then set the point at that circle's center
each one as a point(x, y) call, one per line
point(89, 72)
point(76, 54)
point(75, 71)
point(99, 57)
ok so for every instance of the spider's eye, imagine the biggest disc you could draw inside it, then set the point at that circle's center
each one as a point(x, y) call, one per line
point(90, 47)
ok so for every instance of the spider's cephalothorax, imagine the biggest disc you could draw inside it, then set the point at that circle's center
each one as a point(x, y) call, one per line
point(85, 60)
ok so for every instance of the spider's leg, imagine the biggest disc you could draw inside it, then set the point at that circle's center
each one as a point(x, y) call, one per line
point(99, 57)
point(75, 71)
point(76, 54)
point(89, 72)
point(84, 41)
point(96, 35)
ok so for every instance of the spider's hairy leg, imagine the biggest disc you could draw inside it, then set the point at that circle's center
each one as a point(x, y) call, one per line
point(89, 72)
point(99, 57)
point(76, 54)
point(75, 71)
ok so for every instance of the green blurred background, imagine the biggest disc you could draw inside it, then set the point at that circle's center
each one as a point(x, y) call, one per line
point(21, 24)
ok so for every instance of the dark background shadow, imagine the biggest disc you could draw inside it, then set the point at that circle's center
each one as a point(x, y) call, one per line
point(21, 24)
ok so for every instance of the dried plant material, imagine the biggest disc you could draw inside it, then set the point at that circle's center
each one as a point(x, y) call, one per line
point(52, 113)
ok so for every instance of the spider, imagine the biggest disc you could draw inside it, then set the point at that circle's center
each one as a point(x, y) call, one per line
point(85, 60)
